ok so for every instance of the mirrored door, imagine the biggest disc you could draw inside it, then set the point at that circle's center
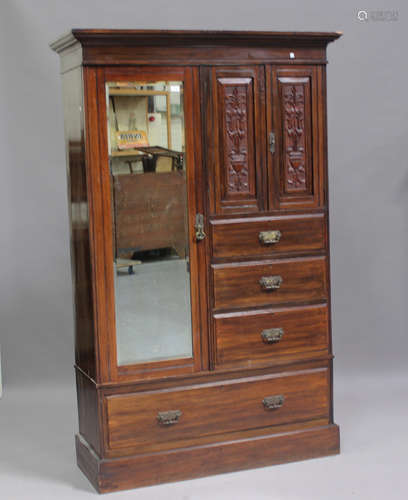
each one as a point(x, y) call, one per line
point(151, 219)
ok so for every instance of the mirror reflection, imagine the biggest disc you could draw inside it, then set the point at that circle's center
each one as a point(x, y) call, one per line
point(148, 172)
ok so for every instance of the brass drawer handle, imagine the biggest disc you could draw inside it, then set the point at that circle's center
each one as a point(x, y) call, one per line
point(271, 282)
point(272, 336)
point(270, 237)
point(169, 417)
point(273, 402)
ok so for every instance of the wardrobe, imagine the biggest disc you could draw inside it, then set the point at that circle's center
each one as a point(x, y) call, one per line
point(198, 201)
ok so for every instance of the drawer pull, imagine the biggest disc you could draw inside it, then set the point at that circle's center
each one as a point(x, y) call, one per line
point(272, 335)
point(273, 402)
point(270, 282)
point(169, 417)
point(270, 237)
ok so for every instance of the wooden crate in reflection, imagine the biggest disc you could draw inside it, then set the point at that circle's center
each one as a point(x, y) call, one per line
point(149, 212)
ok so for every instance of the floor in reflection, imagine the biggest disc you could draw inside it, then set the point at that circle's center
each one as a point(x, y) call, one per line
point(153, 312)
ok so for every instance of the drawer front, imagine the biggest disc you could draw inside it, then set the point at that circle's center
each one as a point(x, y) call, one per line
point(133, 419)
point(267, 336)
point(239, 285)
point(268, 236)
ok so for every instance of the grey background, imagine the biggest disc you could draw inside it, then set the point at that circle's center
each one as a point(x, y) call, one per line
point(367, 125)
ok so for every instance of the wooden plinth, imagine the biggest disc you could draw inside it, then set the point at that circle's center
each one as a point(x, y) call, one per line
point(109, 475)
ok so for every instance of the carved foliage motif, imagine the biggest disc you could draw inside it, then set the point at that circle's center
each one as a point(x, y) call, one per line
point(294, 135)
point(236, 147)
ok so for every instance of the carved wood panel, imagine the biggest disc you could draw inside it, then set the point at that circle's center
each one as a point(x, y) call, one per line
point(297, 173)
point(295, 166)
point(293, 97)
point(234, 139)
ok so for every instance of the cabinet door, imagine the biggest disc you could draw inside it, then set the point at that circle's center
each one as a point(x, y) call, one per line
point(148, 257)
point(295, 158)
point(235, 138)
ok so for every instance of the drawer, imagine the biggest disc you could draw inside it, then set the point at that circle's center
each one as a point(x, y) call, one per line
point(268, 235)
point(239, 285)
point(265, 336)
point(204, 410)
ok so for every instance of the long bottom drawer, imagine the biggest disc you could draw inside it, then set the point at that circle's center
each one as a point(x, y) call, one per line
point(146, 419)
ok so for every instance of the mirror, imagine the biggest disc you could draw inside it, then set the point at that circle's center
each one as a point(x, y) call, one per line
point(149, 210)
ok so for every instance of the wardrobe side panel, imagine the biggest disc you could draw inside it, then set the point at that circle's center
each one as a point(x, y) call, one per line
point(85, 357)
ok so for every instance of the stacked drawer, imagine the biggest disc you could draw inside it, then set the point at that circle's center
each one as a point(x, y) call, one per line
point(269, 290)
point(269, 307)
point(182, 416)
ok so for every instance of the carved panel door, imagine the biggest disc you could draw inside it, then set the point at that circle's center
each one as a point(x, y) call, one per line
point(235, 134)
point(296, 160)
point(264, 137)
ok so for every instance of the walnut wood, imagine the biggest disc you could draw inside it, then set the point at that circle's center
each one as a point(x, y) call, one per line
point(237, 285)
point(220, 438)
point(150, 200)
point(203, 249)
point(100, 214)
point(146, 469)
point(238, 238)
point(234, 159)
point(220, 408)
point(99, 161)
point(88, 411)
point(304, 81)
point(78, 200)
point(295, 117)
point(100, 37)
point(210, 376)
point(239, 341)
point(117, 47)
point(91, 397)
point(323, 154)
point(238, 87)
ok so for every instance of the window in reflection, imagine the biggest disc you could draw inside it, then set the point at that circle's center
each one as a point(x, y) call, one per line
point(148, 171)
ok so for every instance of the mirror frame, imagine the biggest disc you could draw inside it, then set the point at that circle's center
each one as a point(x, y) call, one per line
point(101, 216)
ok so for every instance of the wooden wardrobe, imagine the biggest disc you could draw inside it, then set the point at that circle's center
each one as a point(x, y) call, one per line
point(215, 354)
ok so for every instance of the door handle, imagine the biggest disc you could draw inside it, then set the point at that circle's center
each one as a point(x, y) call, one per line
point(199, 227)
